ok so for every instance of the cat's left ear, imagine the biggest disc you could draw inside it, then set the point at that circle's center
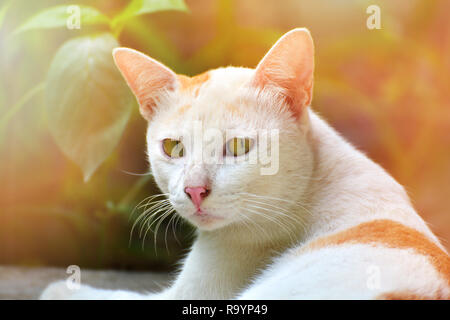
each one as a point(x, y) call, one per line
point(146, 77)
point(288, 69)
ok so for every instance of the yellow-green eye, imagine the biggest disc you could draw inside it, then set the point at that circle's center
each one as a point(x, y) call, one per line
point(238, 146)
point(173, 148)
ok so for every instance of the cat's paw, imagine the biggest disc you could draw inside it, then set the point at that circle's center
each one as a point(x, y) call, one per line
point(58, 290)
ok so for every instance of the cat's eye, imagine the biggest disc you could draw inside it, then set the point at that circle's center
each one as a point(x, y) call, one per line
point(173, 148)
point(238, 146)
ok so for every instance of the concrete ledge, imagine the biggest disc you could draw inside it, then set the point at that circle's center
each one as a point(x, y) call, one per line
point(28, 283)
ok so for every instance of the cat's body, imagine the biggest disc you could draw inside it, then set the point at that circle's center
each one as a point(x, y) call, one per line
point(330, 223)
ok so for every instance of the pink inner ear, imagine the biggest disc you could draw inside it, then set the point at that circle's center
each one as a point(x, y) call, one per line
point(288, 67)
point(145, 76)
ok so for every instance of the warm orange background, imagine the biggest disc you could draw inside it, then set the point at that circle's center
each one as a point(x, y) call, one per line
point(386, 90)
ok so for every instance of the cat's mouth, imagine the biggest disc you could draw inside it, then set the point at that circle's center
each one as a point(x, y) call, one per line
point(202, 217)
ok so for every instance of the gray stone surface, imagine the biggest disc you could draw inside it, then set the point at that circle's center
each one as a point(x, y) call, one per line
point(28, 283)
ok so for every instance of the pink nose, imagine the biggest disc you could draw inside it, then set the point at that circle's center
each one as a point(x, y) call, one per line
point(196, 194)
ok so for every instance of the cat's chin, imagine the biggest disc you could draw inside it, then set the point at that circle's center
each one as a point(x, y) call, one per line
point(207, 221)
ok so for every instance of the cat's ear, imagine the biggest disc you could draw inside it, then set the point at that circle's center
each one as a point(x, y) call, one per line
point(146, 77)
point(288, 68)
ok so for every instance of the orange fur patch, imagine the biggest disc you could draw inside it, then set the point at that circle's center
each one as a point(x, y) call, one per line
point(193, 84)
point(390, 234)
point(183, 109)
point(406, 296)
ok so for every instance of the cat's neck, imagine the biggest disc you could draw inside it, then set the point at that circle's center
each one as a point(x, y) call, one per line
point(224, 258)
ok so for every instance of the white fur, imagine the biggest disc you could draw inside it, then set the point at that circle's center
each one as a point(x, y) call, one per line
point(336, 186)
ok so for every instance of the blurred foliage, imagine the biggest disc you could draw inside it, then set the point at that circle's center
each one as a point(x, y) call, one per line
point(60, 15)
point(385, 90)
point(88, 103)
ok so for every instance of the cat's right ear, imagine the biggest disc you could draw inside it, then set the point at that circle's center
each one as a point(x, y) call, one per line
point(146, 77)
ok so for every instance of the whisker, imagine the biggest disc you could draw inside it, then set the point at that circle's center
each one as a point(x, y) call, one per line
point(149, 211)
point(136, 207)
point(296, 219)
point(268, 197)
point(282, 226)
point(152, 214)
point(165, 235)
point(283, 214)
point(259, 228)
point(151, 202)
point(137, 174)
point(268, 204)
point(162, 216)
point(142, 216)
point(174, 228)
point(298, 204)
point(148, 199)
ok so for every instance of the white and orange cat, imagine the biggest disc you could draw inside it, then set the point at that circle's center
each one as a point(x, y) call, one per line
point(327, 224)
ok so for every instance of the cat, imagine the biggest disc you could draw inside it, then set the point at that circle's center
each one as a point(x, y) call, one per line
point(328, 223)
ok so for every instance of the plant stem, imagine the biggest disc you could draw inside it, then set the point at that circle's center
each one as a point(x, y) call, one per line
point(22, 101)
point(19, 104)
point(139, 184)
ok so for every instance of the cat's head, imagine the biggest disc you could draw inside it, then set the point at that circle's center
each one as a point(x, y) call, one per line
point(229, 146)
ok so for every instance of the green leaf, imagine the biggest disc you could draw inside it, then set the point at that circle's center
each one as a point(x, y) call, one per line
point(62, 16)
point(88, 103)
point(138, 7)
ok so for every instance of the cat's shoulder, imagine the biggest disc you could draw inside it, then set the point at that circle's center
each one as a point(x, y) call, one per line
point(378, 259)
